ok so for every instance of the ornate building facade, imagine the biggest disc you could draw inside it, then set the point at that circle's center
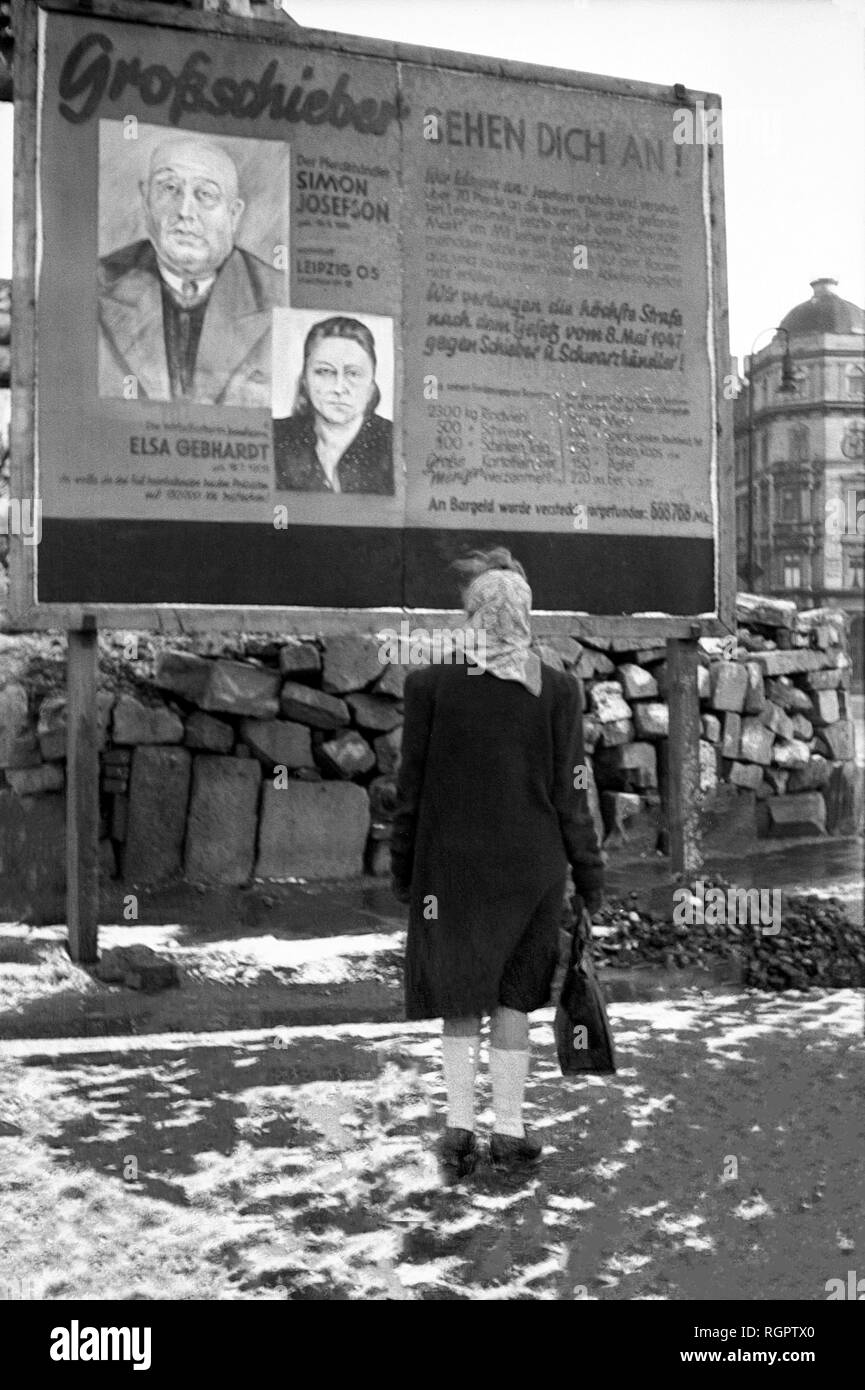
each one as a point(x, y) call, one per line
point(803, 451)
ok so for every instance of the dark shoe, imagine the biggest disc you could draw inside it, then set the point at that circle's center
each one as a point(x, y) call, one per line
point(458, 1150)
point(505, 1149)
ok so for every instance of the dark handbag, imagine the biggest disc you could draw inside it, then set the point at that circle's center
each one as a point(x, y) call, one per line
point(583, 1039)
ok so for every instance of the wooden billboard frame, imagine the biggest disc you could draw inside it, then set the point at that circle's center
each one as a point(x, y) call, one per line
point(82, 621)
point(26, 613)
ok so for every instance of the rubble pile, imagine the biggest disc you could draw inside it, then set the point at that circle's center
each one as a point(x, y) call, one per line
point(811, 944)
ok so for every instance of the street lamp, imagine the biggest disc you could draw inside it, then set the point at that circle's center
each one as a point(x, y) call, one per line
point(787, 388)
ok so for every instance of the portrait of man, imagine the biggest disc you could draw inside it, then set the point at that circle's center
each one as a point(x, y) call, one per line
point(185, 312)
point(334, 435)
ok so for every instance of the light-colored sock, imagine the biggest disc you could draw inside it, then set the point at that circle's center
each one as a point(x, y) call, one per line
point(460, 1064)
point(509, 1071)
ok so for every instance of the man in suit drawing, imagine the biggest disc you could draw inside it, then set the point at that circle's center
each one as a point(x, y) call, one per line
point(186, 313)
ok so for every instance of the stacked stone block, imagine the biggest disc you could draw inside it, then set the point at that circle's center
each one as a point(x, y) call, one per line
point(277, 758)
point(775, 723)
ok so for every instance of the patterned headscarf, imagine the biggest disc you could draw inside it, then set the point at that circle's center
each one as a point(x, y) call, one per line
point(499, 606)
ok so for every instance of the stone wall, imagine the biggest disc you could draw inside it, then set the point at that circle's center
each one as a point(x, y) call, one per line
point(775, 725)
point(225, 760)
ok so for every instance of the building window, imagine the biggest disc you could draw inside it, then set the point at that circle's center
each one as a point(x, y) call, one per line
point(792, 572)
point(854, 569)
point(855, 383)
point(764, 450)
point(799, 444)
point(789, 504)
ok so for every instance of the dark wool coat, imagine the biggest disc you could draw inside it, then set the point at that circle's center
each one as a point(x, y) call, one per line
point(366, 465)
point(487, 822)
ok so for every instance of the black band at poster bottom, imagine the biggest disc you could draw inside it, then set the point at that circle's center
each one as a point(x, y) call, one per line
point(245, 564)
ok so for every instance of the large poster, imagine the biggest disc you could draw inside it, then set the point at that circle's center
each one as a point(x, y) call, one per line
point(310, 322)
point(558, 305)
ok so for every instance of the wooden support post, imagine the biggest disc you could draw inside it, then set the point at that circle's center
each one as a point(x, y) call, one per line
point(82, 794)
point(683, 757)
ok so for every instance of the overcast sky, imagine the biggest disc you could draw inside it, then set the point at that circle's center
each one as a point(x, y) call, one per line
point(791, 74)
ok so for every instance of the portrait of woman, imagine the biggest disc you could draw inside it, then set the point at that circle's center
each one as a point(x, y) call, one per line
point(333, 441)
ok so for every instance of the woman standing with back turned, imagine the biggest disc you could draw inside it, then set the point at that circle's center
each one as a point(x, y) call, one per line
point(488, 819)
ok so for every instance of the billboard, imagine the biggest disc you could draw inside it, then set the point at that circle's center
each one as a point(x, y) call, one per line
point(313, 316)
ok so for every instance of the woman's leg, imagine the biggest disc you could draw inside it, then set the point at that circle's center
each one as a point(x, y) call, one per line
point(460, 1047)
point(509, 1069)
point(509, 1030)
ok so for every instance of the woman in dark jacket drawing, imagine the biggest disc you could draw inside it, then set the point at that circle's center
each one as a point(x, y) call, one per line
point(334, 441)
point(489, 816)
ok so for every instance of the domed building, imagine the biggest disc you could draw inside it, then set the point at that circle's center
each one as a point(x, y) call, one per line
point(825, 313)
point(801, 441)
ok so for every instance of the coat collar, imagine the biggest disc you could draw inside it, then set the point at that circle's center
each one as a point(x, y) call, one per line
point(353, 468)
point(234, 323)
